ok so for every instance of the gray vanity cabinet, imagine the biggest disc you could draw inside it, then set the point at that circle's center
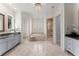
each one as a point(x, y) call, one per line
point(13, 40)
point(76, 47)
point(72, 45)
point(17, 38)
point(3, 45)
point(10, 41)
point(68, 44)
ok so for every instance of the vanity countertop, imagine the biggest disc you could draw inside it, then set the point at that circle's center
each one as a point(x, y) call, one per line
point(72, 36)
point(8, 33)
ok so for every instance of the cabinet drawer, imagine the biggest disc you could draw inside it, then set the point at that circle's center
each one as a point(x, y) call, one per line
point(68, 42)
point(76, 51)
point(10, 42)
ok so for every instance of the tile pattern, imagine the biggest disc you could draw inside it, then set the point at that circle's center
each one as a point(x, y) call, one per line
point(37, 48)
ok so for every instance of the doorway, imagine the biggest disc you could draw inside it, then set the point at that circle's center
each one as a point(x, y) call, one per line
point(49, 28)
point(58, 28)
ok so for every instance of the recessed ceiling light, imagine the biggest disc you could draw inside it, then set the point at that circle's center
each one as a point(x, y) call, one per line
point(14, 8)
point(9, 3)
point(37, 4)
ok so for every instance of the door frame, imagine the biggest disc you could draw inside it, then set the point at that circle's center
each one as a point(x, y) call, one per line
point(53, 38)
point(47, 26)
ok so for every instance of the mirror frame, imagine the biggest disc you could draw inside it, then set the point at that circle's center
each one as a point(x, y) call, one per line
point(3, 22)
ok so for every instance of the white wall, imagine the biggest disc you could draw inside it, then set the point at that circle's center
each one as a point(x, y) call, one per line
point(69, 12)
point(71, 17)
point(18, 20)
point(26, 24)
point(76, 17)
point(38, 25)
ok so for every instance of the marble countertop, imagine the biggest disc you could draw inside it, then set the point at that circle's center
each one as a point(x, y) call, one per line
point(7, 33)
point(73, 36)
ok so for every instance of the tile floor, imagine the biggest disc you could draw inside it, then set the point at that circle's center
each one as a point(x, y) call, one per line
point(37, 48)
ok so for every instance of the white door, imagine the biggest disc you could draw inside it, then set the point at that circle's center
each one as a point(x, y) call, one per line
point(58, 32)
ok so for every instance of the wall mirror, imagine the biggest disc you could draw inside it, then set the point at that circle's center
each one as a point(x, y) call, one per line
point(1, 22)
point(9, 22)
point(11, 26)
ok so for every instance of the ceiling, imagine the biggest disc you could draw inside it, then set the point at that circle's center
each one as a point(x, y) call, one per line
point(47, 8)
point(26, 6)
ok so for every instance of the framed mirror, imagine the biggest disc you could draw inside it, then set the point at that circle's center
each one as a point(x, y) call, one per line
point(11, 25)
point(9, 22)
point(2, 22)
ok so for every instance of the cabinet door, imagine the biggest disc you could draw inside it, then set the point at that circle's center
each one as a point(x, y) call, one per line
point(15, 40)
point(10, 42)
point(76, 47)
point(69, 44)
point(66, 41)
point(18, 38)
point(3, 46)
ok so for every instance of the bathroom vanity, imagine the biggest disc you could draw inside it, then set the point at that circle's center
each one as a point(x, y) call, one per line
point(8, 41)
point(72, 44)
